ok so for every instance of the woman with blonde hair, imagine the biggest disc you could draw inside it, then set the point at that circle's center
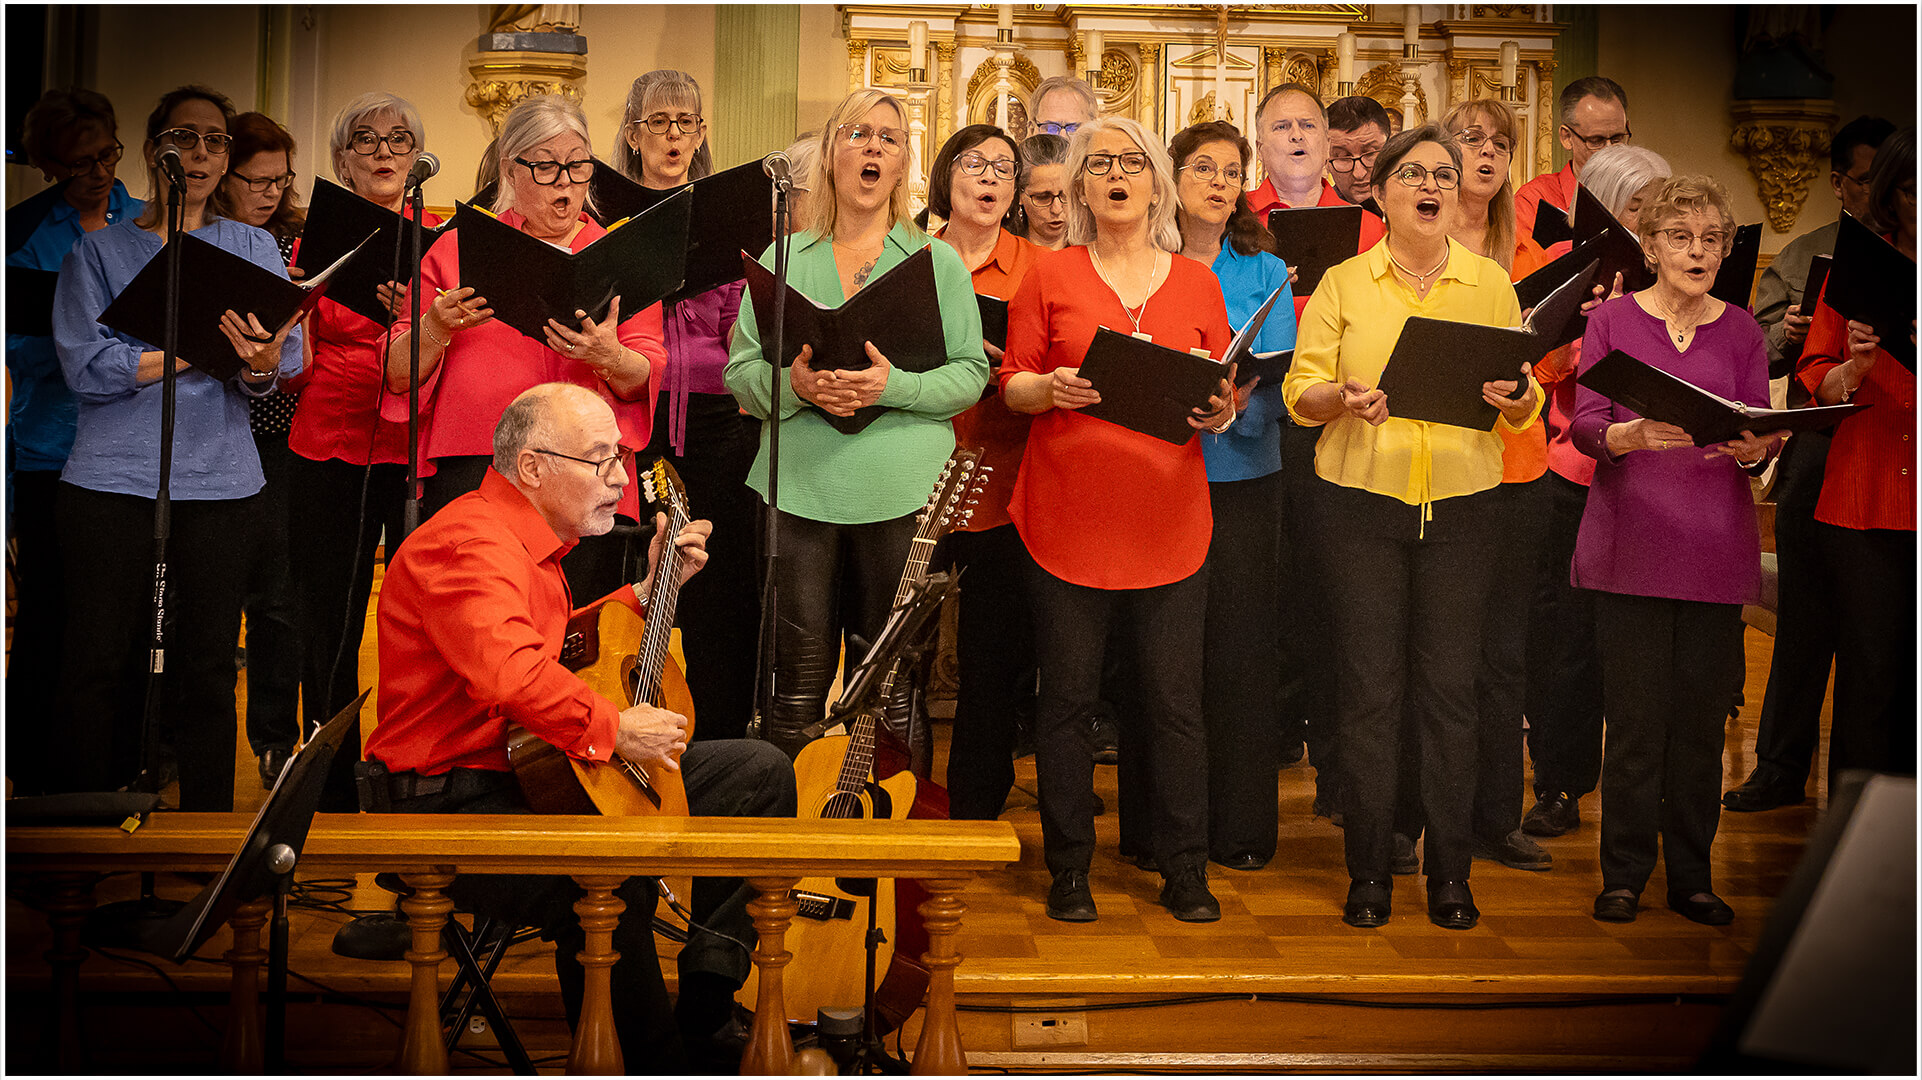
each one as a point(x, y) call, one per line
point(1487, 132)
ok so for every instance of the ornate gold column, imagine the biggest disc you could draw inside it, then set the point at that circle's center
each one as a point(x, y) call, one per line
point(1273, 58)
point(1544, 116)
point(1148, 86)
point(502, 80)
point(1786, 142)
point(857, 63)
point(943, 92)
point(1458, 90)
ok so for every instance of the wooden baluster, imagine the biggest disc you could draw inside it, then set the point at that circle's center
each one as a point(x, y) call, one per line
point(769, 1051)
point(242, 1052)
point(597, 1047)
point(67, 907)
point(939, 1051)
point(423, 1051)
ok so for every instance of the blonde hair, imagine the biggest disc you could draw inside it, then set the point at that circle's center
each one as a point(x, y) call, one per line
point(1678, 196)
point(823, 205)
point(1163, 232)
point(1497, 119)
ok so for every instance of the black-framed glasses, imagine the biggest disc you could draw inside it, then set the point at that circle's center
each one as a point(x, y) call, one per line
point(367, 141)
point(1413, 174)
point(1859, 181)
point(1714, 241)
point(1132, 163)
point(185, 139)
point(1052, 127)
point(604, 467)
point(1205, 171)
point(1046, 199)
point(660, 122)
point(265, 183)
point(1596, 142)
point(1473, 140)
point(1347, 164)
point(893, 140)
point(106, 159)
point(547, 173)
point(975, 164)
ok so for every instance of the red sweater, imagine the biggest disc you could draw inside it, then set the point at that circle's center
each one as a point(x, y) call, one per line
point(1869, 482)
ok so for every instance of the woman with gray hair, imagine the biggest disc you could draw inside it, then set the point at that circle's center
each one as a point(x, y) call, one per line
point(472, 367)
point(1104, 553)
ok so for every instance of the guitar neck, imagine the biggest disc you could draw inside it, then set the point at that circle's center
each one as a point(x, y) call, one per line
point(859, 761)
point(662, 599)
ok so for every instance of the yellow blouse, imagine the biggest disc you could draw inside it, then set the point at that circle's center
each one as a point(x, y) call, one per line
point(1349, 328)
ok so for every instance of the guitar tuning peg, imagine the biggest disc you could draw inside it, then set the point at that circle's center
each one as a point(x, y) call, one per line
point(987, 468)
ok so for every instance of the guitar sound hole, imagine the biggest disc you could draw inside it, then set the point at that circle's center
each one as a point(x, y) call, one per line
point(843, 805)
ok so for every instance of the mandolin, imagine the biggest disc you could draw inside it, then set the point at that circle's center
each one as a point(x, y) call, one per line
point(625, 658)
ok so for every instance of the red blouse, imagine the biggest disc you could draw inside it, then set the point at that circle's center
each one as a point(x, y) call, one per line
point(1000, 433)
point(1097, 504)
point(1869, 482)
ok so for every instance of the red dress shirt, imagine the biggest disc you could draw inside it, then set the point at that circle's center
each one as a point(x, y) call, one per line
point(1000, 433)
point(1559, 189)
point(1265, 198)
point(1096, 503)
point(1869, 481)
point(1556, 371)
point(472, 614)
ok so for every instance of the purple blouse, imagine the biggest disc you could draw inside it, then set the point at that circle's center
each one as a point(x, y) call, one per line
point(1670, 523)
point(697, 335)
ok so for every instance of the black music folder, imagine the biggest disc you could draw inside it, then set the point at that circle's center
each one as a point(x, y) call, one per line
point(733, 212)
point(1612, 250)
point(1589, 217)
point(337, 220)
point(1551, 224)
point(1147, 387)
point(1818, 276)
point(1708, 418)
point(212, 281)
point(1249, 364)
point(1438, 367)
point(1735, 281)
point(900, 312)
point(528, 281)
point(994, 320)
point(1872, 282)
point(30, 300)
point(1314, 238)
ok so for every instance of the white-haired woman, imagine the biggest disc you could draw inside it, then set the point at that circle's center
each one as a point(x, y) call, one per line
point(472, 367)
point(1117, 522)
point(848, 502)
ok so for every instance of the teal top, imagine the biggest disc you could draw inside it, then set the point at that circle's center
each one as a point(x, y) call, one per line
point(888, 469)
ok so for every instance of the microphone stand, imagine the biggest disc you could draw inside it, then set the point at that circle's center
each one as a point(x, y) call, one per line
point(410, 510)
point(775, 351)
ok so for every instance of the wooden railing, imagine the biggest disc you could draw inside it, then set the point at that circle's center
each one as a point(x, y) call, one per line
point(598, 853)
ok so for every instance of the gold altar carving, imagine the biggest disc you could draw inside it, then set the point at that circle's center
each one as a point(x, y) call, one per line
point(857, 62)
point(1457, 80)
point(1148, 107)
point(1304, 70)
point(1273, 59)
point(1023, 77)
point(1786, 143)
point(943, 87)
point(1383, 82)
point(502, 80)
point(1204, 109)
point(1545, 118)
point(889, 67)
point(1118, 79)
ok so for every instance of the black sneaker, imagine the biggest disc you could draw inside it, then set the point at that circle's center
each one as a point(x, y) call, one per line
point(1069, 899)
point(1554, 813)
point(1185, 894)
point(1404, 861)
point(1106, 739)
point(1516, 851)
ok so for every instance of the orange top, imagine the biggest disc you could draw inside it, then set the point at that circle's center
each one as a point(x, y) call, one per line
point(1000, 433)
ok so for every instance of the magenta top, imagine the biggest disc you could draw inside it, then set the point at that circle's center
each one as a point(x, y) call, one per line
point(697, 332)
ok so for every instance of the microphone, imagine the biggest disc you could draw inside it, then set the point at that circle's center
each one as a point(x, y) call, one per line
point(169, 161)
point(424, 169)
point(778, 169)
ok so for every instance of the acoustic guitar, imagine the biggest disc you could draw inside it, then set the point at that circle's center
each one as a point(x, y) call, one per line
point(625, 658)
point(836, 777)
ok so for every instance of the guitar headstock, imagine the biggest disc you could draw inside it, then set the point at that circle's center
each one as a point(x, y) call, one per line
point(661, 484)
point(955, 492)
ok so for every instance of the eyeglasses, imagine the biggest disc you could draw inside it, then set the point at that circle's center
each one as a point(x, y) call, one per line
point(1713, 241)
point(1504, 145)
point(548, 173)
point(366, 142)
point(1047, 198)
point(106, 159)
point(975, 164)
point(893, 140)
point(188, 138)
point(1347, 164)
point(1205, 171)
point(1131, 163)
point(1050, 127)
point(265, 183)
point(1412, 174)
point(660, 122)
point(1596, 142)
point(602, 468)
point(1859, 181)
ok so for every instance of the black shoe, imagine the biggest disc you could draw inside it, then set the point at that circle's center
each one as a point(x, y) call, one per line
point(1146, 860)
point(1325, 807)
point(1554, 813)
point(1106, 739)
point(1369, 903)
point(1247, 860)
point(271, 762)
point(374, 937)
point(1710, 912)
point(1404, 861)
point(1069, 899)
point(1765, 790)
point(1451, 906)
point(1514, 850)
point(1616, 908)
point(1185, 894)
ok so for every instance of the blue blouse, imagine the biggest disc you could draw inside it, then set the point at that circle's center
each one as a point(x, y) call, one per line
point(1252, 446)
point(116, 445)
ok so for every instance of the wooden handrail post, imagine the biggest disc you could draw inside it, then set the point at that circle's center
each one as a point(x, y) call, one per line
point(939, 1051)
point(423, 1052)
point(242, 1051)
point(597, 1046)
point(769, 1050)
point(68, 903)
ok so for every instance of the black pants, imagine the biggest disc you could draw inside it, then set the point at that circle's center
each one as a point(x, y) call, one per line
point(273, 614)
point(35, 744)
point(1564, 699)
point(725, 778)
point(109, 623)
point(1072, 623)
point(1665, 674)
point(997, 670)
point(1408, 645)
point(1308, 689)
point(720, 608)
point(1805, 627)
point(834, 581)
point(334, 535)
point(1873, 723)
point(598, 564)
point(1501, 685)
point(1241, 683)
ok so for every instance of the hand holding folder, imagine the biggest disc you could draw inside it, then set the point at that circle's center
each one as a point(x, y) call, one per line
point(1250, 365)
point(337, 221)
point(1708, 418)
point(1874, 283)
point(1149, 388)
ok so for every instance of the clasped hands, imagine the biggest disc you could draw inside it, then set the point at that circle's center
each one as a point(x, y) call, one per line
point(839, 393)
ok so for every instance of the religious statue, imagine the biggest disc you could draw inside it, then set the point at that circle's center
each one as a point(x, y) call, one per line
point(534, 19)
